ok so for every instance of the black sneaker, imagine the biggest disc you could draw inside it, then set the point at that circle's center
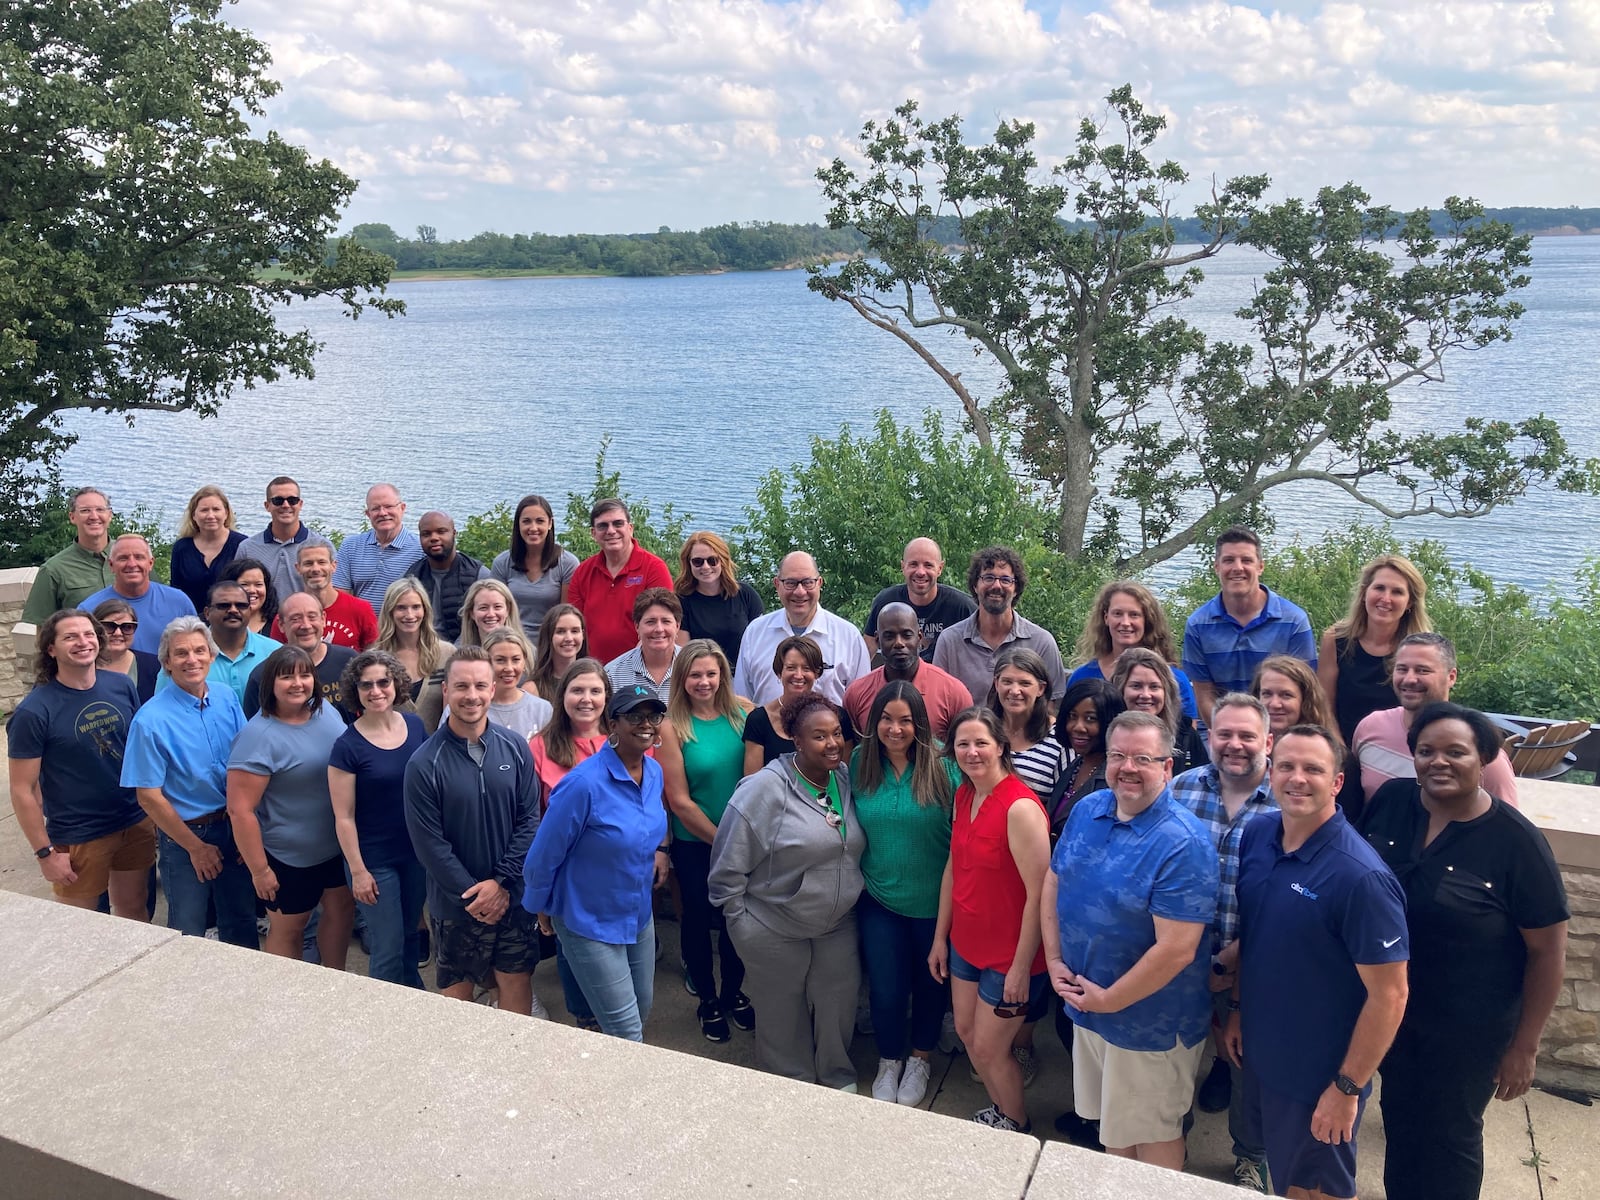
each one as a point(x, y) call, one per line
point(741, 1012)
point(424, 949)
point(712, 1023)
point(1079, 1131)
point(1217, 1090)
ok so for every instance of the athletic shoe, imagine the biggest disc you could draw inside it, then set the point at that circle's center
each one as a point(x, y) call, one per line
point(263, 926)
point(1028, 1061)
point(587, 1024)
point(887, 1085)
point(539, 1010)
point(741, 1012)
point(713, 1025)
point(949, 1043)
point(1217, 1089)
point(424, 949)
point(995, 1119)
point(1251, 1176)
point(688, 981)
point(913, 1082)
point(1075, 1129)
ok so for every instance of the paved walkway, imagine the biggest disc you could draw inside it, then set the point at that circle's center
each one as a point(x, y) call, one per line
point(1539, 1148)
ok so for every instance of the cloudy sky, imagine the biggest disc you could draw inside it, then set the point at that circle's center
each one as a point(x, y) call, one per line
point(609, 116)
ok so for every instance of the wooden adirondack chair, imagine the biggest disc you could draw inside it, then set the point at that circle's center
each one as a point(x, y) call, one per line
point(1544, 753)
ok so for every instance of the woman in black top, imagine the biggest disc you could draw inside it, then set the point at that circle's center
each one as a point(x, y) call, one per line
point(1353, 661)
point(716, 605)
point(207, 542)
point(798, 663)
point(1486, 917)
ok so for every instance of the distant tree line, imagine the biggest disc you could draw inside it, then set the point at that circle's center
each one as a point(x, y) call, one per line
point(734, 246)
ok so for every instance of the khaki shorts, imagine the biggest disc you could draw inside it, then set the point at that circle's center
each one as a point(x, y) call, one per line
point(1138, 1096)
point(130, 849)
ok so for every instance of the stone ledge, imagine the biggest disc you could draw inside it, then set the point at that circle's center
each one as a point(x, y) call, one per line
point(1068, 1173)
point(1569, 815)
point(15, 583)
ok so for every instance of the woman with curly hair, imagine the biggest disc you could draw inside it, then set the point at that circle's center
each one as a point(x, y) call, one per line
point(1126, 613)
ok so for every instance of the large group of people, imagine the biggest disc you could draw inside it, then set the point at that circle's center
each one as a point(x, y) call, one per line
point(1305, 857)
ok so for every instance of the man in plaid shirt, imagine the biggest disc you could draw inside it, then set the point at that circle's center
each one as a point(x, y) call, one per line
point(1227, 794)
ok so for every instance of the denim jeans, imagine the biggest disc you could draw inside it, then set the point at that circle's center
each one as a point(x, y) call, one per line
point(231, 891)
point(393, 939)
point(1244, 1113)
point(578, 1005)
point(619, 981)
point(894, 950)
point(692, 862)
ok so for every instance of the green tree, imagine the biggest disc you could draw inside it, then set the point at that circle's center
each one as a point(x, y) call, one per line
point(1147, 435)
point(137, 216)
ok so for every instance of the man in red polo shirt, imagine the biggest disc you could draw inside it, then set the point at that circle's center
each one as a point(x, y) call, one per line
point(604, 586)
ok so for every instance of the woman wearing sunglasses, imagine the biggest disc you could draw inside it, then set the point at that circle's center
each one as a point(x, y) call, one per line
point(118, 622)
point(716, 604)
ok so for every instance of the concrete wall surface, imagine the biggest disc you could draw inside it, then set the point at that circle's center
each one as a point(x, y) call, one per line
point(16, 656)
point(142, 1064)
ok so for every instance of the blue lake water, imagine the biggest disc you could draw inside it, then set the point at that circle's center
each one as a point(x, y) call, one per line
point(487, 389)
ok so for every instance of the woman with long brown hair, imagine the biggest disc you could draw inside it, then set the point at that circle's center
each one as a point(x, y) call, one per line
point(1353, 662)
point(535, 568)
point(716, 603)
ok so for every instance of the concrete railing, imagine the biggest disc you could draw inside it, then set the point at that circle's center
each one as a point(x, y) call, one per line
point(141, 1064)
point(16, 638)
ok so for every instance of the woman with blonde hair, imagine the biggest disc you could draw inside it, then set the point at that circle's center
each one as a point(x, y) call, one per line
point(702, 758)
point(716, 604)
point(406, 630)
point(563, 640)
point(1289, 689)
point(1144, 682)
point(487, 605)
point(208, 539)
point(1353, 662)
point(1126, 613)
point(515, 704)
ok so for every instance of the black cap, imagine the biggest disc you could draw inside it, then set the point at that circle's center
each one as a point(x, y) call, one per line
point(626, 700)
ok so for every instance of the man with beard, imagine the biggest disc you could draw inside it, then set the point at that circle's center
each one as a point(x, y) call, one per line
point(844, 655)
point(996, 578)
point(1226, 795)
point(1424, 671)
point(444, 572)
point(935, 606)
point(899, 634)
point(303, 626)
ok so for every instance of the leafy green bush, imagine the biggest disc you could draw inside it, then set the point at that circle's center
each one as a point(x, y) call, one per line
point(40, 528)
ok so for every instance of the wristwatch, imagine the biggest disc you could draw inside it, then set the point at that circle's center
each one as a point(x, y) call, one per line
point(1347, 1085)
point(44, 852)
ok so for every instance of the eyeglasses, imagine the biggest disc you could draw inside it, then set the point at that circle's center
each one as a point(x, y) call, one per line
point(652, 717)
point(794, 585)
point(124, 628)
point(1116, 758)
point(1002, 580)
point(601, 526)
point(704, 562)
point(280, 501)
point(230, 605)
point(374, 685)
point(383, 508)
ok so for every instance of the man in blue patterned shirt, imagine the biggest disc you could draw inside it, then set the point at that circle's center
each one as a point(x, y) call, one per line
point(1127, 904)
point(1226, 795)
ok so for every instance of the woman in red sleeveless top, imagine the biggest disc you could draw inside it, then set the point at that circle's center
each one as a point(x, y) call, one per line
point(989, 911)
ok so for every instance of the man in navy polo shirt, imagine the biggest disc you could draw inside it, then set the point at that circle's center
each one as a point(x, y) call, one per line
point(1322, 970)
point(1129, 899)
point(1243, 625)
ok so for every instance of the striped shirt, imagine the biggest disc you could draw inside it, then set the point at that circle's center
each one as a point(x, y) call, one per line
point(1220, 651)
point(366, 568)
point(1200, 791)
point(627, 670)
point(1040, 765)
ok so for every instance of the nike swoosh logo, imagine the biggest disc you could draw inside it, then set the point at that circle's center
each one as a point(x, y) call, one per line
point(1389, 943)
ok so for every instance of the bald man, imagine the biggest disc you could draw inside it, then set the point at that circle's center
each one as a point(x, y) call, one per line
point(937, 607)
point(444, 572)
point(799, 587)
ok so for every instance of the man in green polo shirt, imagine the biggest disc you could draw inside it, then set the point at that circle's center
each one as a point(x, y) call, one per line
point(80, 570)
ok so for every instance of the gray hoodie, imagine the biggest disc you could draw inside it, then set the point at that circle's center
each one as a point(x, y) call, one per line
point(777, 861)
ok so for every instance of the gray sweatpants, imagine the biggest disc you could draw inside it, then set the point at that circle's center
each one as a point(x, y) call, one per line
point(804, 993)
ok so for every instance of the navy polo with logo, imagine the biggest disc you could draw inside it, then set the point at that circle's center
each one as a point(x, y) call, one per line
point(1306, 918)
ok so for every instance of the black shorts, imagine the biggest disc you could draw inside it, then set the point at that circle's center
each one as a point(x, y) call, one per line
point(300, 888)
point(469, 950)
point(1295, 1158)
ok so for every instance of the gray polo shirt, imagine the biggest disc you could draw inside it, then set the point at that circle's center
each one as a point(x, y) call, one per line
point(963, 653)
point(279, 557)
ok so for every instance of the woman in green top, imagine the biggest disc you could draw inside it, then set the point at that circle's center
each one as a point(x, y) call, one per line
point(702, 758)
point(904, 790)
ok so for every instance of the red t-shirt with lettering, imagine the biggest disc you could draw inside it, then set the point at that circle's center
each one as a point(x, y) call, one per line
point(348, 621)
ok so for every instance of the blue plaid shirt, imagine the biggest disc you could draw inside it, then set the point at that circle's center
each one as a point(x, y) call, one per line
point(1200, 791)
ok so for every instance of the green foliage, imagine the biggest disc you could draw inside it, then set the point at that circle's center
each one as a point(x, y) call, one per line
point(662, 534)
point(1073, 281)
point(485, 535)
point(137, 212)
point(43, 528)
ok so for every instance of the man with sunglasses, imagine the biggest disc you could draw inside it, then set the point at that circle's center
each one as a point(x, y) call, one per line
point(239, 650)
point(844, 654)
point(606, 584)
point(1128, 901)
point(996, 578)
point(277, 545)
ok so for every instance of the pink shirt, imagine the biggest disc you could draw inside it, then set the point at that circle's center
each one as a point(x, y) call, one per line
point(942, 692)
point(1379, 747)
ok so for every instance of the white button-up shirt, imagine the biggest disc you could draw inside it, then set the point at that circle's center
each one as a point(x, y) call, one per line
point(844, 655)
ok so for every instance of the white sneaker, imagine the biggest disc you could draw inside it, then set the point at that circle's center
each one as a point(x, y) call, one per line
point(887, 1085)
point(539, 1010)
point(913, 1082)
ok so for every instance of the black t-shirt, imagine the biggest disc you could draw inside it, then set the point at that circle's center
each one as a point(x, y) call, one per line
point(328, 672)
point(78, 738)
point(949, 607)
point(758, 729)
point(1468, 896)
point(722, 619)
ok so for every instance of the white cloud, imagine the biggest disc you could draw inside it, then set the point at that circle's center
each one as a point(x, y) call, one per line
point(628, 114)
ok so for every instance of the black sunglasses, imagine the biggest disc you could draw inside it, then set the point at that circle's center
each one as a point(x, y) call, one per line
point(704, 562)
point(230, 605)
point(123, 627)
point(280, 501)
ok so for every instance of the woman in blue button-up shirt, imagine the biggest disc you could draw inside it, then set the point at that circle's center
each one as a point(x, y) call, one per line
point(599, 849)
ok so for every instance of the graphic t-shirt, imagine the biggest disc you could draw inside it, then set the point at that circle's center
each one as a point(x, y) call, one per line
point(79, 736)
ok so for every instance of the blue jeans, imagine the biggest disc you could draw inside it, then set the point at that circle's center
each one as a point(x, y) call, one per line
point(619, 981)
point(578, 1005)
point(1244, 1110)
point(393, 940)
point(231, 891)
point(894, 950)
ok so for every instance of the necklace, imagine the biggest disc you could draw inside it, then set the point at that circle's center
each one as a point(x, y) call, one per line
point(815, 786)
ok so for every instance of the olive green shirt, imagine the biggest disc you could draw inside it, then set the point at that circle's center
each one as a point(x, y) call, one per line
point(65, 580)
